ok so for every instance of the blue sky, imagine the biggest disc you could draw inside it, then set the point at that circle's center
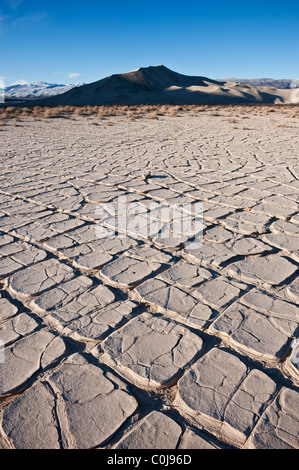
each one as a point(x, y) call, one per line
point(75, 41)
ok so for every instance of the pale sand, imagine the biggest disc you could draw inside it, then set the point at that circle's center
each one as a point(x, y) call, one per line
point(139, 342)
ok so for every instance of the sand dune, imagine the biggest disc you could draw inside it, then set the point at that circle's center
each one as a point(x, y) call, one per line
point(160, 85)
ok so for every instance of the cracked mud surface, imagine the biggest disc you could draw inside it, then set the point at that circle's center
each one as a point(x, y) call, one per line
point(130, 342)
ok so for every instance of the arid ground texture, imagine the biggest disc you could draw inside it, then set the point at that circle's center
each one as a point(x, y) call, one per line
point(133, 342)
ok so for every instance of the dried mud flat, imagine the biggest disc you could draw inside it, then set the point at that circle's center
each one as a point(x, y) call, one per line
point(129, 343)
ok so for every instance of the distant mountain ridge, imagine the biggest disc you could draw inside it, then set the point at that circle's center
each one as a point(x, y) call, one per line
point(37, 90)
point(283, 83)
point(160, 85)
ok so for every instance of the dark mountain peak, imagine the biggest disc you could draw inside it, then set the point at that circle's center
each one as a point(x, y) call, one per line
point(160, 85)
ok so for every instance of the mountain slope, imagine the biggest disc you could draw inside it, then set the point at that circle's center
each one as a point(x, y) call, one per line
point(160, 85)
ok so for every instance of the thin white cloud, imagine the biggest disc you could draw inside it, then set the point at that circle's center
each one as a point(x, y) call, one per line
point(19, 82)
point(74, 75)
point(14, 3)
point(28, 20)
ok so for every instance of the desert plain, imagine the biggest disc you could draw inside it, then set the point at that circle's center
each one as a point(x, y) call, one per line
point(129, 341)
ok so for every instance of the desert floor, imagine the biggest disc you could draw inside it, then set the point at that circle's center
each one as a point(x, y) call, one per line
point(131, 340)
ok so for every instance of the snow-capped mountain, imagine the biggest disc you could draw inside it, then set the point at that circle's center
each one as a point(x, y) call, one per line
point(37, 90)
